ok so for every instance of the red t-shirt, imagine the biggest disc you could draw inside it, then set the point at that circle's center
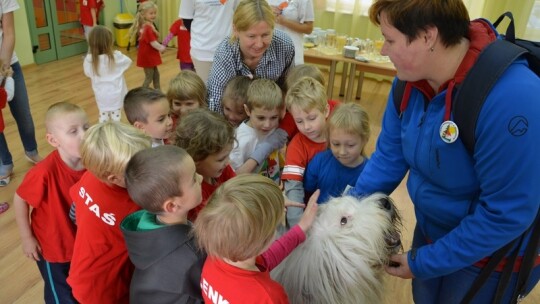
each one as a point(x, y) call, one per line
point(208, 189)
point(224, 283)
point(100, 269)
point(148, 56)
point(86, 6)
point(300, 151)
point(184, 38)
point(46, 189)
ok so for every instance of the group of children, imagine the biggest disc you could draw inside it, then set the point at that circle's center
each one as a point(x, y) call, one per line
point(133, 191)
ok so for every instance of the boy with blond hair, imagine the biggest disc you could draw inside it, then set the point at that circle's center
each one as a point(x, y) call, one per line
point(164, 182)
point(100, 269)
point(307, 103)
point(237, 229)
point(49, 237)
point(148, 110)
point(265, 108)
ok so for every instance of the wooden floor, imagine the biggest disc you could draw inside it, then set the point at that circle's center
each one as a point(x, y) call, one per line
point(64, 81)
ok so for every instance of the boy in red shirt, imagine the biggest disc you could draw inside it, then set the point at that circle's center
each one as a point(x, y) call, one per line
point(48, 238)
point(90, 10)
point(307, 103)
point(236, 228)
point(183, 40)
point(100, 269)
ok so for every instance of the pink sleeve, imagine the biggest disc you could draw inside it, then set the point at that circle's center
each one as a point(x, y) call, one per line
point(282, 247)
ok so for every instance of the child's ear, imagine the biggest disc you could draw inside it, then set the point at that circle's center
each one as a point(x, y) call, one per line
point(51, 140)
point(246, 108)
point(327, 111)
point(139, 125)
point(170, 205)
point(116, 180)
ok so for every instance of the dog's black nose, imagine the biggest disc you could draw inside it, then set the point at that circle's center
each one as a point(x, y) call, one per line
point(386, 203)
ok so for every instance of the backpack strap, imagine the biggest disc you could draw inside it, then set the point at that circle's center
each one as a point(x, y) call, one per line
point(397, 94)
point(472, 93)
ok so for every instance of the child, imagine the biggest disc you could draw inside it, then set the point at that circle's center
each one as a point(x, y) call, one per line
point(49, 237)
point(148, 55)
point(336, 169)
point(184, 38)
point(265, 108)
point(306, 101)
point(90, 10)
point(234, 99)
point(236, 227)
point(105, 67)
point(167, 261)
point(100, 269)
point(7, 91)
point(303, 70)
point(148, 110)
point(209, 139)
point(186, 92)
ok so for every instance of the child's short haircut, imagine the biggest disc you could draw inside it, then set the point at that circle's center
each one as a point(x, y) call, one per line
point(264, 93)
point(203, 132)
point(107, 147)
point(153, 176)
point(241, 217)
point(187, 85)
point(307, 94)
point(303, 70)
point(352, 119)
point(58, 109)
point(236, 89)
point(134, 101)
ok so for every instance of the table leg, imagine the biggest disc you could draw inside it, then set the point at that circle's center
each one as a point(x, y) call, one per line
point(350, 86)
point(343, 79)
point(359, 86)
point(331, 78)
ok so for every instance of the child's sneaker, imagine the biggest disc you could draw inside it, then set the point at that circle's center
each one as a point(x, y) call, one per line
point(5, 174)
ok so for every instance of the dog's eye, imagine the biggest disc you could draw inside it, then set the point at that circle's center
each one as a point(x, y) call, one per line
point(343, 221)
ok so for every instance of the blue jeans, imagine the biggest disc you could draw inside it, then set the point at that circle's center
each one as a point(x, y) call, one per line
point(20, 109)
point(451, 288)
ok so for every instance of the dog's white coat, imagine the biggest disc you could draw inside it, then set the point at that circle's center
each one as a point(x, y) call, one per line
point(340, 263)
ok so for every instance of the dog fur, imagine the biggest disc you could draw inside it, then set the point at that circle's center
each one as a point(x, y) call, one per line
point(342, 257)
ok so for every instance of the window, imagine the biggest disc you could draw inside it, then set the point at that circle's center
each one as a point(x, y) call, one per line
point(532, 31)
point(348, 6)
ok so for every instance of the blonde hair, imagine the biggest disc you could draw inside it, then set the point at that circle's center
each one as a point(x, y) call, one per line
point(303, 70)
point(107, 147)
point(153, 176)
point(203, 133)
point(264, 93)
point(352, 119)
point(58, 109)
point(306, 94)
point(100, 42)
point(251, 12)
point(139, 18)
point(236, 89)
point(185, 86)
point(241, 217)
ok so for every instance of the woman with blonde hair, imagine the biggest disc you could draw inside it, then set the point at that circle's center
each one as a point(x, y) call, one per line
point(254, 49)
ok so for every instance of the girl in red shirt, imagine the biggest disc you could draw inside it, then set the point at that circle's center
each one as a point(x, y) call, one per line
point(148, 56)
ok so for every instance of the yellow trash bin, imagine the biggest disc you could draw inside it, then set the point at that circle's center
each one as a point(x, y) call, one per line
point(122, 23)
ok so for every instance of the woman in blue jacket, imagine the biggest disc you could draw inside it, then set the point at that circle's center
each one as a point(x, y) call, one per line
point(467, 206)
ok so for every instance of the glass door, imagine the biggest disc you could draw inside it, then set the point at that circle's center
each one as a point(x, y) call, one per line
point(55, 29)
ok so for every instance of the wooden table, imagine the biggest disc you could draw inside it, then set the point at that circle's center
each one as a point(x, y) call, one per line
point(350, 66)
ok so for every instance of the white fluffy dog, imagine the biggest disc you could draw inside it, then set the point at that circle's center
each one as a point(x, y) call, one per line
point(342, 257)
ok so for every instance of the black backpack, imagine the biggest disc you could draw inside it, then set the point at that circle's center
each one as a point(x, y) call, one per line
point(467, 104)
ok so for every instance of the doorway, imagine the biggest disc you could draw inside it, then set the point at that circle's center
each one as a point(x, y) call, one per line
point(55, 30)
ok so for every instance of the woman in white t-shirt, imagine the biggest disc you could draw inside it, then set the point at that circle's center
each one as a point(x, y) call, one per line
point(294, 17)
point(19, 106)
point(209, 22)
